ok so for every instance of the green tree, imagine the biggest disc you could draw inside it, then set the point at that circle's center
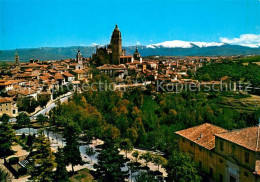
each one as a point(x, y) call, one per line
point(27, 104)
point(189, 73)
point(109, 164)
point(148, 157)
point(159, 160)
point(5, 118)
point(126, 145)
point(180, 168)
point(29, 141)
point(90, 152)
point(61, 173)
point(41, 168)
point(6, 138)
point(23, 120)
point(206, 77)
point(145, 177)
point(71, 149)
point(4, 176)
point(135, 154)
point(41, 119)
point(43, 102)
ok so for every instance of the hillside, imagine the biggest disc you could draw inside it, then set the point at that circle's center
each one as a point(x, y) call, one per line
point(187, 49)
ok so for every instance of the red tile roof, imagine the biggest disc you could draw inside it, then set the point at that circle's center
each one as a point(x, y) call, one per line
point(246, 137)
point(5, 99)
point(68, 74)
point(203, 135)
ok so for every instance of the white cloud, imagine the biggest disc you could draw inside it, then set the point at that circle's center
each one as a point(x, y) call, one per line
point(94, 44)
point(138, 43)
point(248, 40)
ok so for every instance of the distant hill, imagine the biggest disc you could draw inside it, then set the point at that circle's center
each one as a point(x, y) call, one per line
point(169, 48)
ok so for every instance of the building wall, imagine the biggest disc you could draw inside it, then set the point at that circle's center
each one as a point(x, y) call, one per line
point(235, 151)
point(217, 163)
point(45, 97)
point(8, 108)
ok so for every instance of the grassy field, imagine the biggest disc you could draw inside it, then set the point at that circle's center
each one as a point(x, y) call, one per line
point(82, 175)
point(250, 59)
point(242, 105)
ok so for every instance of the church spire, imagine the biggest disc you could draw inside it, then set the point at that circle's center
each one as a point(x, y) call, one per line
point(16, 58)
point(116, 45)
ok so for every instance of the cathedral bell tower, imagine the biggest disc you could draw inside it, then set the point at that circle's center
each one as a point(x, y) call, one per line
point(79, 57)
point(116, 45)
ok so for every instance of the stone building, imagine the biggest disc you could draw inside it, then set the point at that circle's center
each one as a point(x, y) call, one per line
point(228, 156)
point(114, 53)
point(79, 60)
point(111, 53)
point(8, 106)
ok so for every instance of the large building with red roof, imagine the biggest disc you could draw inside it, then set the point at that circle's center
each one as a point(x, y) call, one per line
point(223, 155)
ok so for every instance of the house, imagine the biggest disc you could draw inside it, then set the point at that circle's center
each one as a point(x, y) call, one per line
point(6, 85)
point(45, 95)
point(228, 156)
point(68, 77)
point(8, 106)
point(114, 71)
point(82, 74)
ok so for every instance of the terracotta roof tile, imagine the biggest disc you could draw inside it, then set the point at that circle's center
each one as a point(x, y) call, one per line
point(203, 135)
point(78, 71)
point(5, 99)
point(68, 74)
point(246, 137)
point(58, 76)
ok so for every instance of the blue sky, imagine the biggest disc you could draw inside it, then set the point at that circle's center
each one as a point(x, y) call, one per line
point(52, 23)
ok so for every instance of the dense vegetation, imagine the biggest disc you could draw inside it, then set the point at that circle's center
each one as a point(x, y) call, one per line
point(249, 59)
point(148, 121)
point(236, 70)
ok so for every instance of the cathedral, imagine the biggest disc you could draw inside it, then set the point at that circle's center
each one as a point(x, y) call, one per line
point(114, 53)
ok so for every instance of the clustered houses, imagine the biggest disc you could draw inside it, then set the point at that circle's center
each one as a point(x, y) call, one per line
point(162, 69)
point(42, 80)
point(223, 155)
point(39, 80)
point(128, 69)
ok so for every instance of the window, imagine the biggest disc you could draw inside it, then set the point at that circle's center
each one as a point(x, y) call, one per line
point(220, 178)
point(221, 146)
point(246, 157)
point(200, 149)
point(191, 144)
point(183, 140)
point(200, 164)
point(13, 111)
point(233, 147)
point(220, 160)
point(245, 174)
point(210, 171)
point(210, 154)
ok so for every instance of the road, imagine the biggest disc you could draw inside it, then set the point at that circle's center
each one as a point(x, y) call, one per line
point(45, 110)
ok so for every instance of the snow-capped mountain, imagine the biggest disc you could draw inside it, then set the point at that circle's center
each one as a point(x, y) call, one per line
point(184, 44)
point(168, 48)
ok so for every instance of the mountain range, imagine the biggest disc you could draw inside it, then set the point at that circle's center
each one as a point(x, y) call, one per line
point(168, 48)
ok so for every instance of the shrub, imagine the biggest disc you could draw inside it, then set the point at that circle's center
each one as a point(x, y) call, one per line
point(23, 136)
point(22, 171)
point(13, 160)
